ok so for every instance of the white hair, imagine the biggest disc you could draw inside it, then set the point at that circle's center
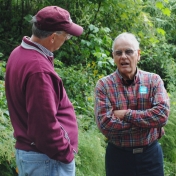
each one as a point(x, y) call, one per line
point(127, 35)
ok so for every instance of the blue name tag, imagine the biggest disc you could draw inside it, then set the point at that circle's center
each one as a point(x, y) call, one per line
point(143, 90)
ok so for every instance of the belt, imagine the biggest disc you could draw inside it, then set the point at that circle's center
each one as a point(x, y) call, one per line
point(135, 150)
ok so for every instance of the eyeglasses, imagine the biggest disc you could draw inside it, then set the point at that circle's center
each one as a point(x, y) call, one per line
point(68, 36)
point(128, 52)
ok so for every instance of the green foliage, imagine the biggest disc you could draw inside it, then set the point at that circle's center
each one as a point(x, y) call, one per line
point(158, 59)
point(79, 85)
point(82, 60)
point(97, 50)
point(157, 54)
point(95, 47)
point(91, 154)
point(8, 168)
point(6, 137)
point(7, 156)
point(169, 169)
point(168, 141)
point(2, 70)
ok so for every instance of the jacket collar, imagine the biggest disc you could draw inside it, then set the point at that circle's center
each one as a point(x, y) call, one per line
point(27, 44)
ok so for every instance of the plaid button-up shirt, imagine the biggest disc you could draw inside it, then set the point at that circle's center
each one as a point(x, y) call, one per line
point(148, 108)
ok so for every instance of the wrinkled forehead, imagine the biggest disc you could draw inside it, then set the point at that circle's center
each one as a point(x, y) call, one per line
point(125, 43)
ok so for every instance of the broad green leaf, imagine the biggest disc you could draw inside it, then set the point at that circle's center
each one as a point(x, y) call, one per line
point(98, 40)
point(140, 34)
point(124, 16)
point(103, 55)
point(166, 11)
point(111, 61)
point(159, 5)
point(161, 31)
point(153, 40)
point(85, 42)
point(97, 49)
point(100, 63)
point(1, 54)
point(122, 5)
point(93, 28)
point(28, 17)
point(97, 54)
point(105, 29)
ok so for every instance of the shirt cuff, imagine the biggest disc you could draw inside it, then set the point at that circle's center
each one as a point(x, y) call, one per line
point(128, 114)
point(114, 117)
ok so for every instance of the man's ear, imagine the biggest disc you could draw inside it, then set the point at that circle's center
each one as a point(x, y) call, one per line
point(52, 37)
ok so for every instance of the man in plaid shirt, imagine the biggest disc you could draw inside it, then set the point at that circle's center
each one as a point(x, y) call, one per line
point(131, 108)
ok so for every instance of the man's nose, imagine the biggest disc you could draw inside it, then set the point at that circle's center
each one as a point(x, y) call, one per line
point(124, 54)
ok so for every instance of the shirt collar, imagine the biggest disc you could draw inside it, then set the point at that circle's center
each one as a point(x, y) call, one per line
point(45, 50)
point(28, 44)
point(128, 82)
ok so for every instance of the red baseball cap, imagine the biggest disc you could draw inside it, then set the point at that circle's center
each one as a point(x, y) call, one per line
point(54, 18)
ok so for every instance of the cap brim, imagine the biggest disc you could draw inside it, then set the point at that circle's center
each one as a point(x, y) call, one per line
point(75, 30)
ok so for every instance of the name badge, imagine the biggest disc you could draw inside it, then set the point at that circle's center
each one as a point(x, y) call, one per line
point(143, 90)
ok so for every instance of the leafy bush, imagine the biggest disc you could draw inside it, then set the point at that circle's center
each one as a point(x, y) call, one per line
point(158, 59)
point(2, 70)
point(79, 85)
point(97, 49)
point(8, 168)
point(91, 154)
point(169, 168)
point(168, 141)
point(90, 159)
point(146, 19)
point(7, 156)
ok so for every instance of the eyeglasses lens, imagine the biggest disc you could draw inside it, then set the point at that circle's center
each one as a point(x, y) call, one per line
point(128, 52)
point(68, 36)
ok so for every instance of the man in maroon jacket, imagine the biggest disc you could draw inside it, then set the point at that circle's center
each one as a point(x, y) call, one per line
point(43, 118)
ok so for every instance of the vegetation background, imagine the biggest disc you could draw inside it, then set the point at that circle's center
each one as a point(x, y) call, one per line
point(82, 61)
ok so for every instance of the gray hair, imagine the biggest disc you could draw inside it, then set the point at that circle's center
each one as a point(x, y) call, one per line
point(126, 35)
point(40, 33)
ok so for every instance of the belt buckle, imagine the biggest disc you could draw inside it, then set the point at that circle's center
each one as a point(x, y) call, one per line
point(137, 150)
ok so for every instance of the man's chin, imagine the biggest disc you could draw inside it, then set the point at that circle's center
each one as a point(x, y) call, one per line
point(125, 71)
point(126, 74)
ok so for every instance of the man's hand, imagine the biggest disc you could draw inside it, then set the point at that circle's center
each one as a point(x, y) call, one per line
point(120, 114)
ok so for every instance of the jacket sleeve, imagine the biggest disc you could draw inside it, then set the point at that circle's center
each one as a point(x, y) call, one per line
point(107, 124)
point(43, 95)
point(156, 116)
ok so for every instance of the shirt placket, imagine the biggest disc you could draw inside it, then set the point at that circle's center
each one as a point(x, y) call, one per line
point(131, 97)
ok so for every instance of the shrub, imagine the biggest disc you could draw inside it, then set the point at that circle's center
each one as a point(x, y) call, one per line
point(169, 168)
point(79, 84)
point(7, 156)
point(168, 141)
point(90, 158)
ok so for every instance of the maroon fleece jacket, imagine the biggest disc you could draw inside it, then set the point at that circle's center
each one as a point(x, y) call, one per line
point(42, 116)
